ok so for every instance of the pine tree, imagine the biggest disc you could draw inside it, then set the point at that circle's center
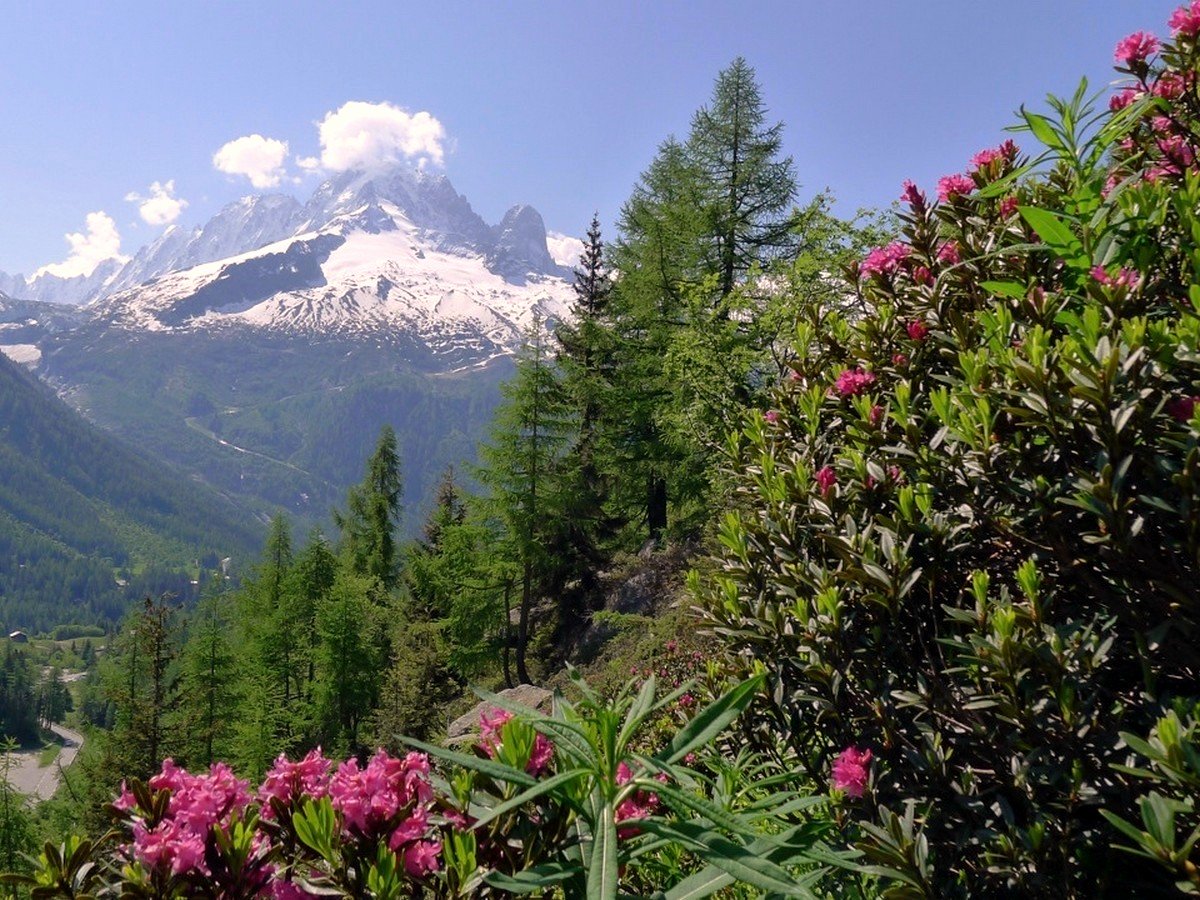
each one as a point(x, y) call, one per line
point(349, 664)
point(703, 215)
point(209, 684)
point(747, 189)
point(529, 435)
point(144, 686)
point(372, 514)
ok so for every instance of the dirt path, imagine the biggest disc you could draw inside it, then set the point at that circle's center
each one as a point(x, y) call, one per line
point(40, 782)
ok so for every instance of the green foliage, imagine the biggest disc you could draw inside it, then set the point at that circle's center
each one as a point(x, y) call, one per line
point(966, 537)
point(373, 512)
point(594, 823)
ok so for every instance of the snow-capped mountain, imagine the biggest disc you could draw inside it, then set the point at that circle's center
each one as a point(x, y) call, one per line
point(399, 258)
point(397, 255)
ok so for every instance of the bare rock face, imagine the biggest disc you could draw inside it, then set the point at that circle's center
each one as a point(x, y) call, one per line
point(466, 726)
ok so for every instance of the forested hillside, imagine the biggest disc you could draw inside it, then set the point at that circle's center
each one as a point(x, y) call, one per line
point(81, 511)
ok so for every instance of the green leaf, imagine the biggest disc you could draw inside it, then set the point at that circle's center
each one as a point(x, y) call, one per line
point(602, 872)
point(475, 763)
point(533, 879)
point(1012, 289)
point(738, 860)
point(1053, 231)
point(711, 721)
point(542, 787)
point(1042, 129)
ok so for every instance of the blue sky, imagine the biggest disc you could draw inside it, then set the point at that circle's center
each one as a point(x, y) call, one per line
point(556, 104)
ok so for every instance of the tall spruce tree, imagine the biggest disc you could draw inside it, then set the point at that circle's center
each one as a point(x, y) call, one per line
point(372, 514)
point(747, 188)
point(529, 435)
point(705, 213)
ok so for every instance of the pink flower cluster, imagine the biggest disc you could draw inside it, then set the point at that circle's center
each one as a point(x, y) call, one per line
point(1181, 409)
point(917, 330)
point(1124, 97)
point(1125, 278)
point(1135, 49)
point(851, 771)
point(389, 798)
point(1185, 21)
point(637, 805)
point(913, 196)
point(197, 803)
point(948, 253)
point(826, 480)
point(1006, 152)
point(885, 260)
point(288, 781)
point(490, 725)
point(951, 186)
point(852, 382)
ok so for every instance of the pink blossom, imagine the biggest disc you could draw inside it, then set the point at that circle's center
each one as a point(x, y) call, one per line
point(490, 739)
point(917, 330)
point(948, 253)
point(421, 858)
point(826, 480)
point(1134, 49)
point(1177, 151)
point(852, 382)
point(951, 186)
point(851, 771)
point(1182, 408)
point(125, 802)
point(369, 799)
point(1125, 278)
point(895, 475)
point(885, 260)
point(899, 360)
point(1008, 207)
point(1006, 152)
point(687, 701)
point(170, 777)
point(489, 729)
point(410, 829)
point(1170, 86)
point(913, 196)
point(771, 415)
point(1185, 21)
point(637, 805)
point(289, 781)
point(875, 416)
point(1123, 98)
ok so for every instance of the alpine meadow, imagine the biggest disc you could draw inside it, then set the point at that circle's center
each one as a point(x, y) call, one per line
point(359, 542)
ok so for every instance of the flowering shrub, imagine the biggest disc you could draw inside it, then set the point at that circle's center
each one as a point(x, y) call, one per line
point(990, 587)
point(542, 802)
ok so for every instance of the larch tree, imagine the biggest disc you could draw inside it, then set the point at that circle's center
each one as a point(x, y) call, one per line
point(530, 432)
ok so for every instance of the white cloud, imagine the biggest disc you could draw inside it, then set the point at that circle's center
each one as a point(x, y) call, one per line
point(101, 242)
point(258, 158)
point(564, 249)
point(162, 207)
point(362, 135)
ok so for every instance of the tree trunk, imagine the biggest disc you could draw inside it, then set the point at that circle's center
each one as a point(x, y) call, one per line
point(523, 623)
point(508, 681)
point(656, 505)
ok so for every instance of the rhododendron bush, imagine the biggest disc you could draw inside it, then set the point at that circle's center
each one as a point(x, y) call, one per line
point(564, 802)
point(967, 545)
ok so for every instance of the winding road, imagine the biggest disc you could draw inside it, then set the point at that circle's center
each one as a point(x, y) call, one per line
point(40, 782)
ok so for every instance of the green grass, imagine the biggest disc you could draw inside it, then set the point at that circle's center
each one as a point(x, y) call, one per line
point(48, 755)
